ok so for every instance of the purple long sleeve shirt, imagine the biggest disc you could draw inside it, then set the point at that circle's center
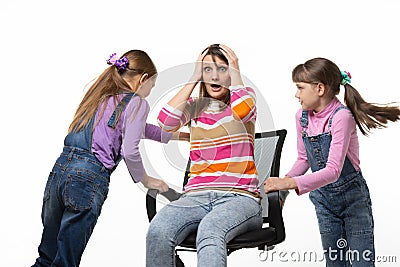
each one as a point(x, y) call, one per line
point(344, 143)
point(109, 143)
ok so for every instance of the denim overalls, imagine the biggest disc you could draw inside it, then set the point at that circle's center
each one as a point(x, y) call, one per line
point(75, 192)
point(343, 207)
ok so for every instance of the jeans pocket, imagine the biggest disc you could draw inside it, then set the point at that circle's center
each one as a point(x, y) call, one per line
point(46, 194)
point(83, 189)
point(366, 191)
point(322, 210)
point(360, 193)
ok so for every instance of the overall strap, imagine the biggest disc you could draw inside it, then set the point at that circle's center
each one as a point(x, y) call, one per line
point(112, 122)
point(81, 139)
point(304, 121)
point(333, 114)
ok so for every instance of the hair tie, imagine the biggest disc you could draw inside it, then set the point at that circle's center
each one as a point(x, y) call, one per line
point(121, 63)
point(346, 77)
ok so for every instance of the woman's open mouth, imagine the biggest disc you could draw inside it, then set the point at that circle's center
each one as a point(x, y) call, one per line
point(215, 87)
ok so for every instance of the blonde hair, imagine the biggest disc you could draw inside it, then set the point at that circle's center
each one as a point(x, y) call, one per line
point(109, 84)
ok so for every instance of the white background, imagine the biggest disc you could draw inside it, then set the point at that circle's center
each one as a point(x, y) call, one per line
point(51, 49)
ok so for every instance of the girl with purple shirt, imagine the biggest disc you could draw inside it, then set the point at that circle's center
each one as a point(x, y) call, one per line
point(107, 127)
point(328, 144)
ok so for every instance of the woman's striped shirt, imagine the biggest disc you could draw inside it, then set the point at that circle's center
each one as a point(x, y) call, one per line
point(221, 142)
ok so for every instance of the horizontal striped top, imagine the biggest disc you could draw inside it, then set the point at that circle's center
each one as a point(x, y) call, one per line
point(221, 142)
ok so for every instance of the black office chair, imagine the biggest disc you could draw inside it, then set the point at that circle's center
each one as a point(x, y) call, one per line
point(267, 153)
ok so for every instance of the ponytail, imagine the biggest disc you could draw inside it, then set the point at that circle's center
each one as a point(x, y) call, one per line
point(111, 82)
point(368, 115)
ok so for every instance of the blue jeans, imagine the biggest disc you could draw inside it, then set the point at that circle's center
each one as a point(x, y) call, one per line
point(218, 217)
point(345, 222)
point(75, 192)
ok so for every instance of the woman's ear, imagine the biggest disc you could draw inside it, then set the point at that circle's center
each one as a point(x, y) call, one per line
point(143, 78)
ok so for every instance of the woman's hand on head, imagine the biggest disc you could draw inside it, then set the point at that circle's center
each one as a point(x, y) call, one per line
point(233, 62)
point(179, 101)
point(198, 68)
point(154, 183)
point(231, 56)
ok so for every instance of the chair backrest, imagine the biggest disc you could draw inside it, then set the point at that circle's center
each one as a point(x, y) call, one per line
point(268, 151)
point(267, 155)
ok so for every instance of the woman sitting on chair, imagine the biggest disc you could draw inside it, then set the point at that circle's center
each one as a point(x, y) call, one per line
point(221, 199)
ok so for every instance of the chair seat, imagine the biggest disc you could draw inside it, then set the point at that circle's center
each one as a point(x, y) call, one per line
point(264, 236)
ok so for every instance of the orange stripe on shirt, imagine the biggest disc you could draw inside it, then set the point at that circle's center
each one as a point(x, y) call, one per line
point(211, 145)
point(243, 167)
point(243, 109)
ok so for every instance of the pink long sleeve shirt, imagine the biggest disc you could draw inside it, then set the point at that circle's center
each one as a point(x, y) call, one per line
point(344, 143)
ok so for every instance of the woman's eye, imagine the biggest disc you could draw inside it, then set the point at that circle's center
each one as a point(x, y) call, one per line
point(207, 69)
point(222, 69)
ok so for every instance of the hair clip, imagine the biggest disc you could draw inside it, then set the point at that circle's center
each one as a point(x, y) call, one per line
point(121, 63)
point(346, 77)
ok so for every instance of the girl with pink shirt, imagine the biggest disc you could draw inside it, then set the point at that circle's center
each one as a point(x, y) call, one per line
point(328, 144)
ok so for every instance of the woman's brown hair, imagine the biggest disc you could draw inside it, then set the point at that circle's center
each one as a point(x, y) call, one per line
point(111, 83)
point(203, 101)
point(367, 115)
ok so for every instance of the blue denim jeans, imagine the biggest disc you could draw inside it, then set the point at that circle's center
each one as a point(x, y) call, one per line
point(75, 192)
point(217, 216)
point(346, 223)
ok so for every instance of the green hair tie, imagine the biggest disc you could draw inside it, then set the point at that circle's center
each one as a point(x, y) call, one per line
point(346, 77)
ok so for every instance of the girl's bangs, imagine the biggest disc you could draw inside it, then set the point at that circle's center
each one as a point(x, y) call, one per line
point(301, 75)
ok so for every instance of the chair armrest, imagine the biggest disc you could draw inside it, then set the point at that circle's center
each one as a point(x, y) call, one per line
point(275, 218)
point(151, 202)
